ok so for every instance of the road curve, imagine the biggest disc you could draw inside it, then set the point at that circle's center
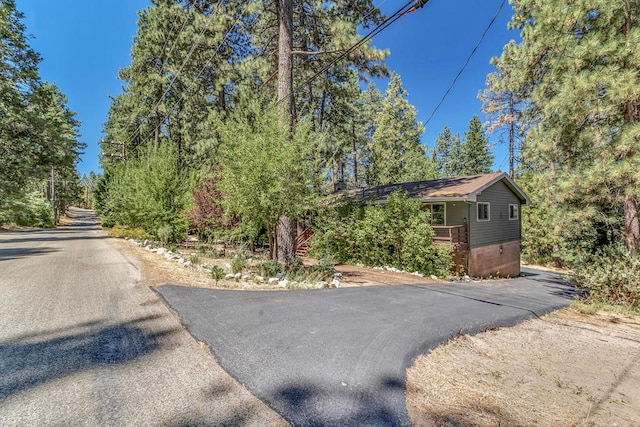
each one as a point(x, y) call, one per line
point(83, 343)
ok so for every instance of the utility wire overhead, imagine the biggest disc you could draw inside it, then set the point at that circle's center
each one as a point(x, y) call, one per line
point(409, 7)
point(175, 77)
point(464, 66)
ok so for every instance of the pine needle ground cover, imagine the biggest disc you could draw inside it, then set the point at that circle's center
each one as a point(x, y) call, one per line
point(565, 369)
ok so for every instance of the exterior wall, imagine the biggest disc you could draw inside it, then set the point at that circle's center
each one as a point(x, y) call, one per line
point(499, 228)
point(457, 213)
point(502, 259)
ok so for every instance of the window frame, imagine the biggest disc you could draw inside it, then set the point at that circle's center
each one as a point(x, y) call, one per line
point(430, 206)
point(488, 205)
point(516, 209)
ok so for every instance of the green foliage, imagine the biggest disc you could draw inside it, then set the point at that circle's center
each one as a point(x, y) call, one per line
point(397, 233)
point(577, 72)
point(612, 275)
point(540, 237)
point(217, 273)
point(265, 172)
point(149, 193)
point(271, 268)
point(164, 233)
point(454, 156)
point(26, 209)
point(396, 137)
point(238, 264)
point(37, 129)
point(447, 154)
point(477, 158)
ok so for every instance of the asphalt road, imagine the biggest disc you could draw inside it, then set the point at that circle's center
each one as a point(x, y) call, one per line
point(339, 356)
point(83, 343)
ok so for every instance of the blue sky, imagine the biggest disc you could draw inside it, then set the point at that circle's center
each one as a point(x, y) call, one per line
point(84, 43)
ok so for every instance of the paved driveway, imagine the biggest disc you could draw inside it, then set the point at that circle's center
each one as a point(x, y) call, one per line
point(339, 356)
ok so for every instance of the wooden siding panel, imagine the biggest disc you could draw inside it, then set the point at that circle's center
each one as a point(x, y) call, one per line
point(499, 228)
point(502, 259)
point(457, 213)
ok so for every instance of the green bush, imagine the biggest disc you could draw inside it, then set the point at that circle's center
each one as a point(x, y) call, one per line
point(397, 234)
point(164, 233)
point(217, 273)
point(271, 268)
point(149, 193)
point(611, 276)
point(238, 263)
point(26, 209)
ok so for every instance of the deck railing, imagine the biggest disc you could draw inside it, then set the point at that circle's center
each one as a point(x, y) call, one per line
point(452, 234)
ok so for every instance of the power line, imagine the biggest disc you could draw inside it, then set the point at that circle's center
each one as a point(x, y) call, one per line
point(175, 42)
point(175, 77)
point(407, 8)
point(181, 97)
point(453, 83)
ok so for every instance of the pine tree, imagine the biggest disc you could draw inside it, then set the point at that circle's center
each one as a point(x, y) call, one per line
point(397, 136)
point(476, 156)
point(447, 154)
point(503, 103)
point(578, 66)
point(38, 132)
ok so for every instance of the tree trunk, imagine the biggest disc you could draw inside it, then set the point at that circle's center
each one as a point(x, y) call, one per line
point(511, 136)
point(631, 225)
point(285, 61)
point(285, 237)
point(286, 246)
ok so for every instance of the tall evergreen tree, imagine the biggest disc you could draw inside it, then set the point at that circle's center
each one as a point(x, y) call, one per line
point(578, 66)
point(503, 103)
point(447, 154)
point(396, 137)
point(38, 132)
point(476, 156)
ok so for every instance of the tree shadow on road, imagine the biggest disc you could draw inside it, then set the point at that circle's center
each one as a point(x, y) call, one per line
point(15, 253)
point(311, 406)
point(31, 360)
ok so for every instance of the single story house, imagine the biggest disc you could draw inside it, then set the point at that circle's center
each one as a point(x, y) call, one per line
point(478, 215)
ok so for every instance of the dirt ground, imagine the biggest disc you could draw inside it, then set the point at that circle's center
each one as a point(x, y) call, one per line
point(565, 369)
point(159, 271)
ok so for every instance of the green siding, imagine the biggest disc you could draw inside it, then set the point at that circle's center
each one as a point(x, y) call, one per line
point(499, 228)
point(457, 213)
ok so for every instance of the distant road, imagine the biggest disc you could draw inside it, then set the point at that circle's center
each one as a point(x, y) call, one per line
point(83, 343)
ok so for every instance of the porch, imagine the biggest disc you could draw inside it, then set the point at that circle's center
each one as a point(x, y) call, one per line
point(455, 235)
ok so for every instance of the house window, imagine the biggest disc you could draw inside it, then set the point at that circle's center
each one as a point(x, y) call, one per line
point(483, 211)
point(513, 212)
point(437, 213)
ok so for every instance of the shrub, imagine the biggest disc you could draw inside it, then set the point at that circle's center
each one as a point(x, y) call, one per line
point(271, 268)
point(612, 275)
point(126, 232)
point(164, 234)
point(217, 273)
point(397, 233)
point(149, 192)
point(26, 209)
point(238, 263)
point(324, 269)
